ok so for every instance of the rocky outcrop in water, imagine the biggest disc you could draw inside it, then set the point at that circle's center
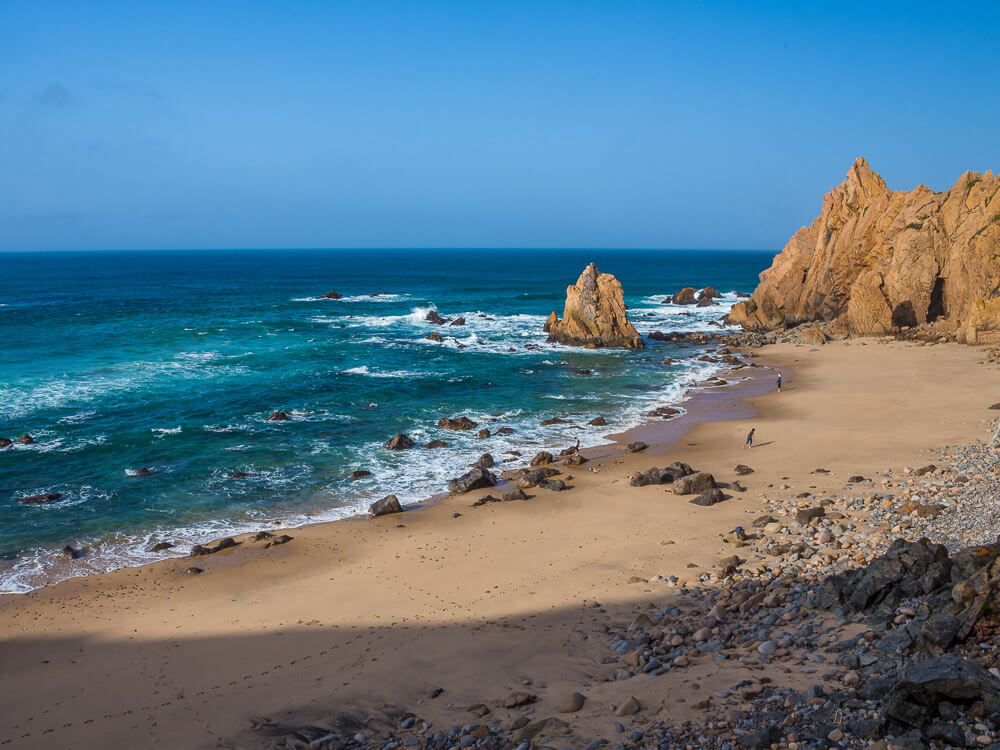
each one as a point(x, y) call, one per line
point(877, 260)
point(594, 315)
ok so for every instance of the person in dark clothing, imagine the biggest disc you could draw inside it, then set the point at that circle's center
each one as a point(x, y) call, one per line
point(749, 442)
point(779, 382)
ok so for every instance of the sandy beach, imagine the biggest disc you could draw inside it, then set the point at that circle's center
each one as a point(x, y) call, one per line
point(366, 619)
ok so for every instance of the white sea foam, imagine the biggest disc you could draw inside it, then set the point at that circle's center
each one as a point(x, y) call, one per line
point(161, 431)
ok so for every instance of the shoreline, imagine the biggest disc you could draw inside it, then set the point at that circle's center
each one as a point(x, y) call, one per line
point(356, 624)
point(699, 403)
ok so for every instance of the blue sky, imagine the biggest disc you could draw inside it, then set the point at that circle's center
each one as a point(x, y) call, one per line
point(474, 124)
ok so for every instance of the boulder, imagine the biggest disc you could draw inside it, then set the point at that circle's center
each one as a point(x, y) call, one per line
point(433, 317)
point(399, 442)
point(636, 447)
point(552, 421)
point(456, 423)
point(386, 506)
point(162, 546)
point(556, 485)
point(708, 293)
point(330, 295)
point(483, 434)
point(278, 416)
point(806, 515)
point(598, 422)
point(485, 461)
point(686, 296)
point(505, 431)
point(743, 470)
point(434, 336)
point(6, 442)
point(876, 260)
point(45, 497)
point(550, 321)
point(477, 478)
point(280, 539)
point(200, 550)
point(594, 315)
point(26, 439)
point(542, 458)
point(360, 474)
point(457, 322)
point(694, 483)
point(515, 494)
point(73, 553)
point(916, 699)
point(814, 335)
point(435, 444)
point(709, 497)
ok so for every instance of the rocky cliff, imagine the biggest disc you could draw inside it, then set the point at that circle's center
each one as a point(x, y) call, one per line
point(594, 315)
point(877, 260)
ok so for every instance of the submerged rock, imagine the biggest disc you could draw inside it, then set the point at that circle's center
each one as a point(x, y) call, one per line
point(45, 497)
point(594, 315)
point(278, 416)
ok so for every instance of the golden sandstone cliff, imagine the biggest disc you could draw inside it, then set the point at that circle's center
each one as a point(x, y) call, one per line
point(877, 260)
point(594, 315)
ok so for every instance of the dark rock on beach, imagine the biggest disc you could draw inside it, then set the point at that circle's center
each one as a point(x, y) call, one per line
point(694, 483)
point(387, 505)
point(743, 470)
point(636, 447)
point(199, 550)
point(485, 461)
point(162, 546)
point(280, 539)
point(477, 478)
point(542, 458)
point(709, 497)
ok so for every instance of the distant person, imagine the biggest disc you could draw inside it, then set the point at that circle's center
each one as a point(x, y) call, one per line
point(749, 442)
point(779, 382)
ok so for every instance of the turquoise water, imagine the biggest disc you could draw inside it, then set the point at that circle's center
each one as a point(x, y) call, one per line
point(172, 361)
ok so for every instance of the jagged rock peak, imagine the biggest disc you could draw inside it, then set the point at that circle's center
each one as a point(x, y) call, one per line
point(877, 260)
point(594, 315)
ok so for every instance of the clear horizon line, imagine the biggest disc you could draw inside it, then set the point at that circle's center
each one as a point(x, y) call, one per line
point(471, 248)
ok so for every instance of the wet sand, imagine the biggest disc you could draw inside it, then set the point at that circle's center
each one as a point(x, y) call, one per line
point(367, 617)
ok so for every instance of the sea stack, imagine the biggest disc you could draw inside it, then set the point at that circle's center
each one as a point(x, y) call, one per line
point(878, 260)
point(594, 315)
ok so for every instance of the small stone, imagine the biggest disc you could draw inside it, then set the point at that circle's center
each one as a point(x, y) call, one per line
point(628, 708)
point(571, 703)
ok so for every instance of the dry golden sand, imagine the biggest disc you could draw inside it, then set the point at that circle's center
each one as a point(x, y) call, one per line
point(355, 616)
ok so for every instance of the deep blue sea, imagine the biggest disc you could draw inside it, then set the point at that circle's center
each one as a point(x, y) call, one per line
point(172, 361)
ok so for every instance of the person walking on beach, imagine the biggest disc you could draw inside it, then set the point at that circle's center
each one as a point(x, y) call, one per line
point(749, 442)
point(779, 382)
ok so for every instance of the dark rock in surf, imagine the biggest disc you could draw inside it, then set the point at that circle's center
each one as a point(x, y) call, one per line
point(434, 336)
point(542, 458)
point(433, 317)
point(685, 296)
point(399, 442)
point(73, 553)
point(162, 546)
point(330, 295)
point(483, 434)
point(26, 439)
point(485, 461)
point(278, 416)
point(457, 322)
point(456, 423)
point(6, 442)
point(360, 474)
point(435, 444)
point(553, 420)
point(598, 422)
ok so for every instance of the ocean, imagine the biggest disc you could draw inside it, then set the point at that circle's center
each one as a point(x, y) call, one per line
point(172, 361)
